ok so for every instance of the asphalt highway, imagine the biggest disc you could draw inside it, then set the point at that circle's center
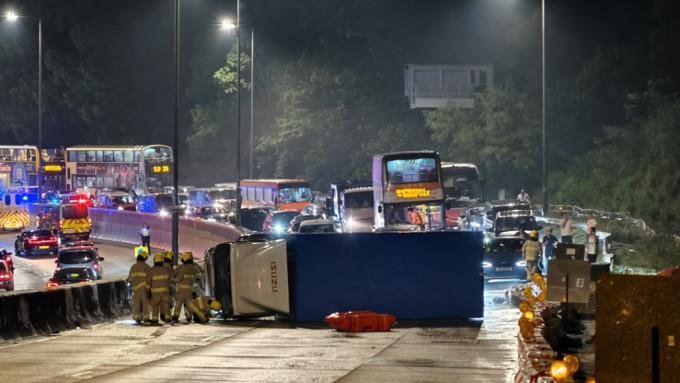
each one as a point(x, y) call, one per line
point(261, 350)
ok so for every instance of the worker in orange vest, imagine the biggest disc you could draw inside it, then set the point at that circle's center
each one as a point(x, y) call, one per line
point(416, 217)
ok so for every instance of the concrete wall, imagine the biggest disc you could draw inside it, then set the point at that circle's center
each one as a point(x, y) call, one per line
point(40, 312)
point(28, 313)
point(195, 235)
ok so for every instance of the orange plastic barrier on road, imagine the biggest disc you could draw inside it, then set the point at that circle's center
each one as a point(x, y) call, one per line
point(360, 321)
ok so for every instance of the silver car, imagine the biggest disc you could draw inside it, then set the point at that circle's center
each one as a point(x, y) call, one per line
point(86, 256)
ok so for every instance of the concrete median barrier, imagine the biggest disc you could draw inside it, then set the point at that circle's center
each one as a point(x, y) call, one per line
point(195, 235)
point(41, 312)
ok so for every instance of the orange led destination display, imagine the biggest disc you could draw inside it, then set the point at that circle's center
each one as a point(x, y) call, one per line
point(161, 168)
point(53, 168)
point(413, 193)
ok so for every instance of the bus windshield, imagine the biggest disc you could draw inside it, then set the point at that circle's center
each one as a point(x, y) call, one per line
point(412, 170)
point(461, 182)
point(359, 200)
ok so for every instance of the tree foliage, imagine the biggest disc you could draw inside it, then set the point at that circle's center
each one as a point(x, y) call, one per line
point(501, 134)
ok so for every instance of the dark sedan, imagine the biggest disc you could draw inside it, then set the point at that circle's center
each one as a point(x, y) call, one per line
point(503, 259)
point(36, 242)
point(70, 275)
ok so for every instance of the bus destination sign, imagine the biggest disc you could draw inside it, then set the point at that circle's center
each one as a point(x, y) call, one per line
point(413, 193)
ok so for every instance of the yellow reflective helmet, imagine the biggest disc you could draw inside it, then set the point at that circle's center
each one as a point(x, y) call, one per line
point(143, 254)
point(158, 258)
point(167, 256)
point(187, 256)
point(215, 305)
point(534, 234)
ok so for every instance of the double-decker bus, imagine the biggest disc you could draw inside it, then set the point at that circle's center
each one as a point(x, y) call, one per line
point(281, 194)
point(143, 168)
point(19, 165)
point(53, 169)
point(405, 183)
point(463, 190)
point(461, 182)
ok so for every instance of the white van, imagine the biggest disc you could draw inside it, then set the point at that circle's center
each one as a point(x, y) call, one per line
point(199, 197)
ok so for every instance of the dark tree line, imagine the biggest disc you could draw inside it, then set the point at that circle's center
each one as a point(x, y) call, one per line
point(328, 89)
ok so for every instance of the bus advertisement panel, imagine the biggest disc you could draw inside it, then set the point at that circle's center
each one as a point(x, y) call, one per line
point(281, 194)
point(407, 188)
point(144, 169)
point(19, 166)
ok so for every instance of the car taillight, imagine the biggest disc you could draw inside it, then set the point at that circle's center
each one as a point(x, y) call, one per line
point(52, 284)
point(95, 266)
point(4, 277)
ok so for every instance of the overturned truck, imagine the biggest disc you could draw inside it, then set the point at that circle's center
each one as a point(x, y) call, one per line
point(304, 277)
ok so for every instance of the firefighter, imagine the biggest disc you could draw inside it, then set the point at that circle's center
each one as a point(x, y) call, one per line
point(531, 253)
point(160, 290)
point(197, 288)
point(140, 279)
point(201, 306)
point(167, 262)
point(184, 277)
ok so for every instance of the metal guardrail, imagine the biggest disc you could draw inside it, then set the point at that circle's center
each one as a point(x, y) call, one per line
point(578, 212)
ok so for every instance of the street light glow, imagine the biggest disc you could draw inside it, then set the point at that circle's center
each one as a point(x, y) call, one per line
point(11, 16)
point(227, 24)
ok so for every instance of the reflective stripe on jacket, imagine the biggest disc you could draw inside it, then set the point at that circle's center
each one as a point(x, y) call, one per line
point(139, 275)
point(160, 280)
point(184, 276)
point(531, 250)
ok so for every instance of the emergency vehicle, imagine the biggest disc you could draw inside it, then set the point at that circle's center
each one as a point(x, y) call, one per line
point(68, 220)
point(14, 210)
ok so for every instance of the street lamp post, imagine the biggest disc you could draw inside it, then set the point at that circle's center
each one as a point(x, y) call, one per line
point(238, 114)
point(175, 178)
point(545, 185)
point(11, 16)
point(252, 95)
point(237, 31)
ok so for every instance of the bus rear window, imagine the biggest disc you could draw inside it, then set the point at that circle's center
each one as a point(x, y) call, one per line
point(75, 211)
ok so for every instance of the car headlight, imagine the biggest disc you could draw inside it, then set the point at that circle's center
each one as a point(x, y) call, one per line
point(521, 263)
point(474, 224)
point(486, 265)
point(278, 229)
